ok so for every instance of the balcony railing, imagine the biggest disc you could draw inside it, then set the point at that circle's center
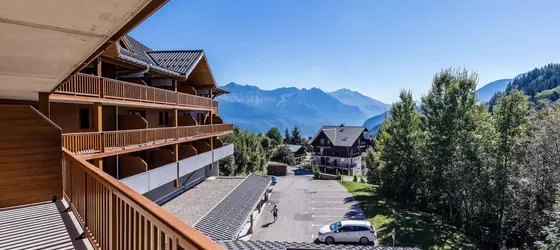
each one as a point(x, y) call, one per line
point(99, 142)
point(114, 216)
point(101, 87)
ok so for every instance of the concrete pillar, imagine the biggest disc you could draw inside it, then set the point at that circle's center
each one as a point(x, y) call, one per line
point(252, 222)
point(212, 171)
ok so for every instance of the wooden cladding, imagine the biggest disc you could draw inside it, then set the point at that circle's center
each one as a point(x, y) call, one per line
point(30, 151)
point(101, 87)
point(100, 142)
point(116, 217)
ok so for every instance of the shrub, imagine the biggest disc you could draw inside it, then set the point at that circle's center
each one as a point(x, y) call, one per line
point(362, 180)
point(355, 179)
point(307, 166)
point(316, 172)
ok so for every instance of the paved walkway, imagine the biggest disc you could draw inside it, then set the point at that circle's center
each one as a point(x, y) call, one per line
point(304, 206)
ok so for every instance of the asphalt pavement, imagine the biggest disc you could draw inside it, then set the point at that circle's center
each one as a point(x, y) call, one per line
point(304, 205)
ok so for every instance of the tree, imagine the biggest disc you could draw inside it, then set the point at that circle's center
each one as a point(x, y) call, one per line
point(275, 135)
point(372, 167)
point(296, 137)
point(552, 230)
point(447, 108)
point(284, 155)
point(399, 148)
point(287, 137)
point(512, 122)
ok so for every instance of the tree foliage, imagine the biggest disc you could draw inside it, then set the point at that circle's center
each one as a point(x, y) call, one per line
point(251, 152)
point(275, 135)
point(284, 155)
point(494, 175)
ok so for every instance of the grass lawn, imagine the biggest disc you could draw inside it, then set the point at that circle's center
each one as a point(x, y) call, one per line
point(414, 228)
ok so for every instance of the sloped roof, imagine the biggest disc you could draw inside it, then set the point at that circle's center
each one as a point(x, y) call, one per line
point(294, 148)
point(343, 136)
point(226, 219)
point(179, 63)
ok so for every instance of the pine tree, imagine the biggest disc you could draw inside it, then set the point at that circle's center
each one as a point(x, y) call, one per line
point(287, 137)
point(400, 150)
point(296, 138)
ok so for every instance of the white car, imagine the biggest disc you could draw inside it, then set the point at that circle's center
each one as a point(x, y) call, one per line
point(359, 231)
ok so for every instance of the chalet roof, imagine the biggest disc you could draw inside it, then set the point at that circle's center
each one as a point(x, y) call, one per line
point(294, 148)
point(178, 63)
point(343, 136)
point(225, 220)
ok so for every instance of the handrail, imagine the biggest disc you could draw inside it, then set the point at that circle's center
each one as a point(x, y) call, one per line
point(106, 141)
point(101, 87)
point(114, 216)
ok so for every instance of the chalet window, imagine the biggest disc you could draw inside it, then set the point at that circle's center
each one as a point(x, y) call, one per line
point(164, 118)
point(322, 141)
point(84, 118)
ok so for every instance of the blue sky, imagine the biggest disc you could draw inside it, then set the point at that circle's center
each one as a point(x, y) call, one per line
point(372, 46)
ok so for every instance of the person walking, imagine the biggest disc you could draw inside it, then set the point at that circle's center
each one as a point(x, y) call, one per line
point(275, 212)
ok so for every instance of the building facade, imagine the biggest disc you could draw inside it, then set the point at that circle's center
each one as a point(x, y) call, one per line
point(145, 117)
point(340, 149)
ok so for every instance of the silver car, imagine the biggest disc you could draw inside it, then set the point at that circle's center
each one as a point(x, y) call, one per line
point(358, 231)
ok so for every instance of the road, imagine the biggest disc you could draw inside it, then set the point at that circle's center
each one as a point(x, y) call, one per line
point(304, 205)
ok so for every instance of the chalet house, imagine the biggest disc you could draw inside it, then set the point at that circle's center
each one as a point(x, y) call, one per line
point(299, 152)
point(340, 149)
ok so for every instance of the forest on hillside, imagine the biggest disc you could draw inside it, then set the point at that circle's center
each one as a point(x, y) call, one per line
point(493, 173)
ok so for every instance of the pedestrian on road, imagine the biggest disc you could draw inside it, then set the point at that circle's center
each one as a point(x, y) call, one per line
point(275, 212)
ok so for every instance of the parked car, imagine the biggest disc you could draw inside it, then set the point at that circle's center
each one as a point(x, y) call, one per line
point(359, 231)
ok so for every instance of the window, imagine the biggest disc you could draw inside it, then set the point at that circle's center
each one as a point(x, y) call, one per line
point(322, 141)
point(84, 118)
point(163, 118)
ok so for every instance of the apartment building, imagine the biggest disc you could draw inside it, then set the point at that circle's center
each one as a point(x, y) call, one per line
point(99, 123)
point(145, 117)
point(340, 149)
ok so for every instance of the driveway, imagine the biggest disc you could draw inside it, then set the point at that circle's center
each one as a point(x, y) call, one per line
point(304, 205)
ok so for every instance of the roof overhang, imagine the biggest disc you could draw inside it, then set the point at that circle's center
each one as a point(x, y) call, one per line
point(44, 42)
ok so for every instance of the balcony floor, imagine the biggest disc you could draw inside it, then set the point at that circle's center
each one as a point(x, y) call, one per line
point(39, 226)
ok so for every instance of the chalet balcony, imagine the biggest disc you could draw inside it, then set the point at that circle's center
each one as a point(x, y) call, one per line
point(91, 145)
point(90, 88)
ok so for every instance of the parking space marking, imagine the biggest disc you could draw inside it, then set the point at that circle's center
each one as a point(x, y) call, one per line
point(329, 208)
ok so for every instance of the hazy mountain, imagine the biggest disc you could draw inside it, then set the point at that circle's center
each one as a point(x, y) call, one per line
point(487, 91)
point(367, 105)
point(311, 108)
point(373, 123)
point(254, 119)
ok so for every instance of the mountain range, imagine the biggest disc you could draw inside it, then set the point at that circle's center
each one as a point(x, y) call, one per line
point(252, 108)
point(255, 109)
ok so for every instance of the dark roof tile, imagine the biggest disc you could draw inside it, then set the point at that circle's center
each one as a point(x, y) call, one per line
point(227, 218)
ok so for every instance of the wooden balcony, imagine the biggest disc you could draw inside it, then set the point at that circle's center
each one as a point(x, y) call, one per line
point(90, 88)
point(114, 216)
point(101, 144)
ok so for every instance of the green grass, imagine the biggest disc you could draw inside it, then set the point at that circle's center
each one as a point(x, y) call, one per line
point(414, 228)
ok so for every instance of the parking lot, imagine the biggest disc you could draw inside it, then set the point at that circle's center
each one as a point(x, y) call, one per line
point(304, 206)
